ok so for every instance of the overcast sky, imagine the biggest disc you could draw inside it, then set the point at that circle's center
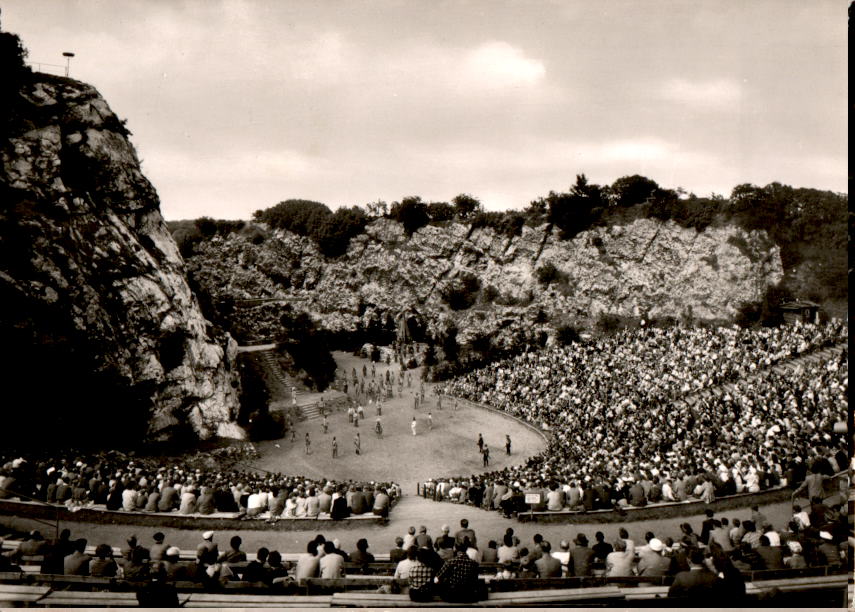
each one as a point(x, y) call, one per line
point(237, 105)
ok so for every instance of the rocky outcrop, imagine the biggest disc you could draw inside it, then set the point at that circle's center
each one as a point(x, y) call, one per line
point(88, 263)
point(645, 268)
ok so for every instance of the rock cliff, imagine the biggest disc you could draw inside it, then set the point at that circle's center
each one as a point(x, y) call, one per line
point(642, 268)
point(90, 273)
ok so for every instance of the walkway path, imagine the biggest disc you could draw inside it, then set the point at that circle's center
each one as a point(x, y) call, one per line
point(253, 348)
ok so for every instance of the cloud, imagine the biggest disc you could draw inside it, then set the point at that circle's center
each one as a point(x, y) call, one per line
point(715, 94)
point(499, 64)
point(630, 151)
point(238, 166)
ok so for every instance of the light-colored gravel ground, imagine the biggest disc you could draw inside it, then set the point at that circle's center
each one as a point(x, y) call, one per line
point(448, 449)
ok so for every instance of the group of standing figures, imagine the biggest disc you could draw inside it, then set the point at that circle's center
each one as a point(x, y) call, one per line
point(378, 388)
point(484, 449)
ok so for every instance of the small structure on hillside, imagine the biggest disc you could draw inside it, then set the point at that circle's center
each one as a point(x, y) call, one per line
point(800, 310)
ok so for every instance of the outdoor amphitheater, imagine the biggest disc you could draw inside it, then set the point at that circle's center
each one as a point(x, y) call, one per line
point(622, 493)
point(420, 304)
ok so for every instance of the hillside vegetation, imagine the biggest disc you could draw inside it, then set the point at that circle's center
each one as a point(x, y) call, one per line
point(810, 226)
point(476, 285)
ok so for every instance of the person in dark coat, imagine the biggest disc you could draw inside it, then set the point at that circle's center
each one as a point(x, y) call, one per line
point(358, 503)
point(158, 593)
point(398, 553)
point(697, 585)
point(339, 509)
point(773, 558)
point(55, 553)
point(581, 557)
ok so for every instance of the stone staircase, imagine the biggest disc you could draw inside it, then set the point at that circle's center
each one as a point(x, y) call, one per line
point(308, 406)
point(783, 367)
point(311, 412)
point(269, 359)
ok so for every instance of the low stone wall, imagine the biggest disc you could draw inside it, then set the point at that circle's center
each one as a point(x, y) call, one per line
point(171, 520)
point(659, 511)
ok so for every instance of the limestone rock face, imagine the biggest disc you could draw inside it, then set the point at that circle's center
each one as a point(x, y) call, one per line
point(87, 260)
point(643, 268)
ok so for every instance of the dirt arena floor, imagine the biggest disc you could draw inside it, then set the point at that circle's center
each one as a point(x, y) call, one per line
point(449, 448)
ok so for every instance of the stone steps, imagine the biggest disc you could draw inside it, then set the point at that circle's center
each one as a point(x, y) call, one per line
point(311, 412)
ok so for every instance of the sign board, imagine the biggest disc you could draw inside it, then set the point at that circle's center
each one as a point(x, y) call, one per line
point(532, 499)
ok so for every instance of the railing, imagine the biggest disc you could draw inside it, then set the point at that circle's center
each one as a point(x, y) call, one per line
point(55, 69)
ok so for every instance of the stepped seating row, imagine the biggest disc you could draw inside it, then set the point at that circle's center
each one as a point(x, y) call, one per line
point(45, 595)
point(174, 514)
point(355, 581)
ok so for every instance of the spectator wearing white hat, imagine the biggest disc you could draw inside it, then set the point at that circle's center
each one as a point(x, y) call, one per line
point(654, 563)
point(207, 546)
point(796, 560)
point(828, 550)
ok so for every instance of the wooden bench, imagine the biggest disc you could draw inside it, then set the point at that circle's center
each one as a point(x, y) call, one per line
point(645, 592)
point(494, 600)
point(228, 600)
point(21, 594)
point(514, 585)
point(550, 596)
point(379, 600)
point(803, 572)
point(95, 599)
point(62, 581)
point(798, 584)
point(323, 585)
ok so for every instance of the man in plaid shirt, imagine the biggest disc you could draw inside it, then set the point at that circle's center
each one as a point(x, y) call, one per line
point(421, 577)
point(458, 578)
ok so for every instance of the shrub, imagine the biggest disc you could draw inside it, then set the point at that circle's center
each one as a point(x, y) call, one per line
point(254, 234)
point(430, 355)
point(187, 238)
point(333, 234)
point(462, 292)
point(567, 334)
point(308, 347)
point(631, 190)
point(15, 73)
point(549, 273)
point(489, 294)
point(331, 231)
point(608, 323)
point(440, 211)
point(411, 212)
point(466, 205)
point(508, 223)
point(298, 216)
point(449, 345)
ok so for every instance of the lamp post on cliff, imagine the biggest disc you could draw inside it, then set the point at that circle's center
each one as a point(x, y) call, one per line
point(68, 55)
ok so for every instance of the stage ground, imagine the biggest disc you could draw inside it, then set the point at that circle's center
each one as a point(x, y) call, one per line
point(446, 450)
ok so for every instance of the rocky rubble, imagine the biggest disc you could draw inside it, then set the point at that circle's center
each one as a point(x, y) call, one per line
point(645, 268)
point(87, 249)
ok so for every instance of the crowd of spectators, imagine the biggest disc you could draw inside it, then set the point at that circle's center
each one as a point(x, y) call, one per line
point(120, 483)
point(627, 425)
point(454, 565)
